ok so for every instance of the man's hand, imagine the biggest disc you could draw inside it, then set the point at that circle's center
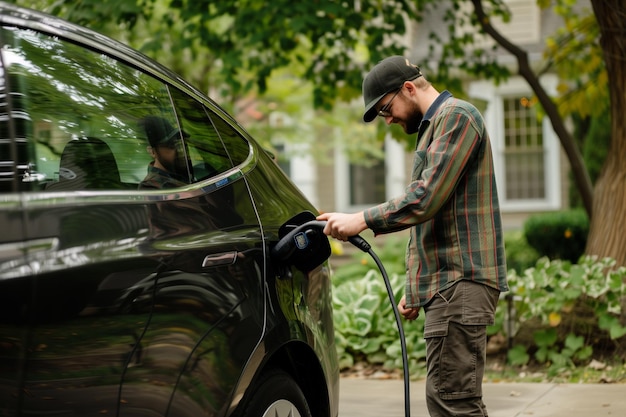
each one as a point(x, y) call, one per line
point(341, 225)
point(408, 313)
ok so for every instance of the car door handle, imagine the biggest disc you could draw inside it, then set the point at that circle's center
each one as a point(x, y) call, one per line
point(224, 258)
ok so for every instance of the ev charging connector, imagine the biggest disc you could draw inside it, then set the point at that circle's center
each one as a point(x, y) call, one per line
point(305, 246)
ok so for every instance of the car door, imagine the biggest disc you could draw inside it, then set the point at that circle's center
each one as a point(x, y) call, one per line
point(130, 300)
point(15, 292)
point(209, 297)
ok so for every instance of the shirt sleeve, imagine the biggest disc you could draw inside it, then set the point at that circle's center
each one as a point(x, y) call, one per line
point(451, 143)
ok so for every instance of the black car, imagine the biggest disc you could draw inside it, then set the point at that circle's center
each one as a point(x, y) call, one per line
point(133, 287)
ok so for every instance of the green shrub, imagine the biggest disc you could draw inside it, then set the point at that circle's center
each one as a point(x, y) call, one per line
point(558, 235)
point(567, 311)
point(365, 325)
point(570, 309)
point(519, 254)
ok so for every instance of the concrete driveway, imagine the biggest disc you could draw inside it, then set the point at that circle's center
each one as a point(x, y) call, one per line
point(376, 398)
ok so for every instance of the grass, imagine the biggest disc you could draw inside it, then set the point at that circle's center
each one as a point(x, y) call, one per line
point(595, 372)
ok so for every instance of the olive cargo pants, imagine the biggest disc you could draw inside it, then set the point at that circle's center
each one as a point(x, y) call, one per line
point(455, 331)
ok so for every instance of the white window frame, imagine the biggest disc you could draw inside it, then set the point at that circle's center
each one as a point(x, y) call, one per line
point(494, 119)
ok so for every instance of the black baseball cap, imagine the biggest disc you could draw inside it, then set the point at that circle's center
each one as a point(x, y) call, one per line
point(160, 131)
point(387, 76)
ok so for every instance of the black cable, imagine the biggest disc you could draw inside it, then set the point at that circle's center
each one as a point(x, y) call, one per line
point(296, 240)
point(362, 244)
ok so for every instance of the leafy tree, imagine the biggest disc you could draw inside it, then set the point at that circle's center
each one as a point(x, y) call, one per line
point(607, 235)
point(549, 105)
point(332, 43)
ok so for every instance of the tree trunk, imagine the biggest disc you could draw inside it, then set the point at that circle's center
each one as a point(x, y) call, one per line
point(607, 234)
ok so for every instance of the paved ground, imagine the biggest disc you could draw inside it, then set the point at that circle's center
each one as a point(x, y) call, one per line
point(377, 398)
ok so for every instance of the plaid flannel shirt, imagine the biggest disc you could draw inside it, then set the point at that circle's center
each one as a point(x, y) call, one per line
point(451, 205)
point(159, 179)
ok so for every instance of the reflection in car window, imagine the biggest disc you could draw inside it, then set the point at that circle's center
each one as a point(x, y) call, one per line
point(7, 158)
point(79, 114)
point(205, 151)
point(238, 148)
point(87, 121)
point(166, 145)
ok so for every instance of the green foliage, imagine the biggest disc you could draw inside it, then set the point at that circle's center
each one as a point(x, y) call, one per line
point(560, 357)
point(328, 44)
point(88, 13)
point(558, 235)
point(235, 48)
point(364, 321)
point(391, 254)
point(517, 355)
point(571, 310)
point(519, 254)
point(583, 88)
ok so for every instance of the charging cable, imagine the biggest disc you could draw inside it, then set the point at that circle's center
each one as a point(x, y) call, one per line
point(297, 239)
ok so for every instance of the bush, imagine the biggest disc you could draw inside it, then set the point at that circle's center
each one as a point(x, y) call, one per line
point(558, 235)
point(365, 326)
point(567, 311)
point(571, 310)
point(519, 254)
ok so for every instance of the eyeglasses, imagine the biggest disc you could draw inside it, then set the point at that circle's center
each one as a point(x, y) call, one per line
point(384, 110)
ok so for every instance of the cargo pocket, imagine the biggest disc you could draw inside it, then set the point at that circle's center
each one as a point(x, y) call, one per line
point(436, 329)
point(434, 336)
point(454, 359)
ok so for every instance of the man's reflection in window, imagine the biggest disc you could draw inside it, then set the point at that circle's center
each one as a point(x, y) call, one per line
point(169, 168)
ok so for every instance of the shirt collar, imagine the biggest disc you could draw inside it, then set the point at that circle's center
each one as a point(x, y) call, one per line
point(436, 104)
point(443, 96)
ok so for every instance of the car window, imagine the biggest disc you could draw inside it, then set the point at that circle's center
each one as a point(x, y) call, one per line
point(84, 120)
point(205, 151)
point(238, 148)
point(79, 114)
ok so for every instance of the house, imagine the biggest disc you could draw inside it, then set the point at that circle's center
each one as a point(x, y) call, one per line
point(531, 168)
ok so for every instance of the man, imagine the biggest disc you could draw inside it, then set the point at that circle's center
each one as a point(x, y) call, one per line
point(455, 257)
point(168, 168)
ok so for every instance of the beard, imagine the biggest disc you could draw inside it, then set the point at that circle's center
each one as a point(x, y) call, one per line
point(175, 166)
point(413, 119)
point(413, 124)
point(170, 165)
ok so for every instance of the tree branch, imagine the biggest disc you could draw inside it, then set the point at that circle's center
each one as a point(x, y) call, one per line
point(581, 176)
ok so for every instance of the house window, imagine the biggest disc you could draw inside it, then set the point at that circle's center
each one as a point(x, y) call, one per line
point(526, 150)
point(367, 184)
point(359, 186)
point(523, 150)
